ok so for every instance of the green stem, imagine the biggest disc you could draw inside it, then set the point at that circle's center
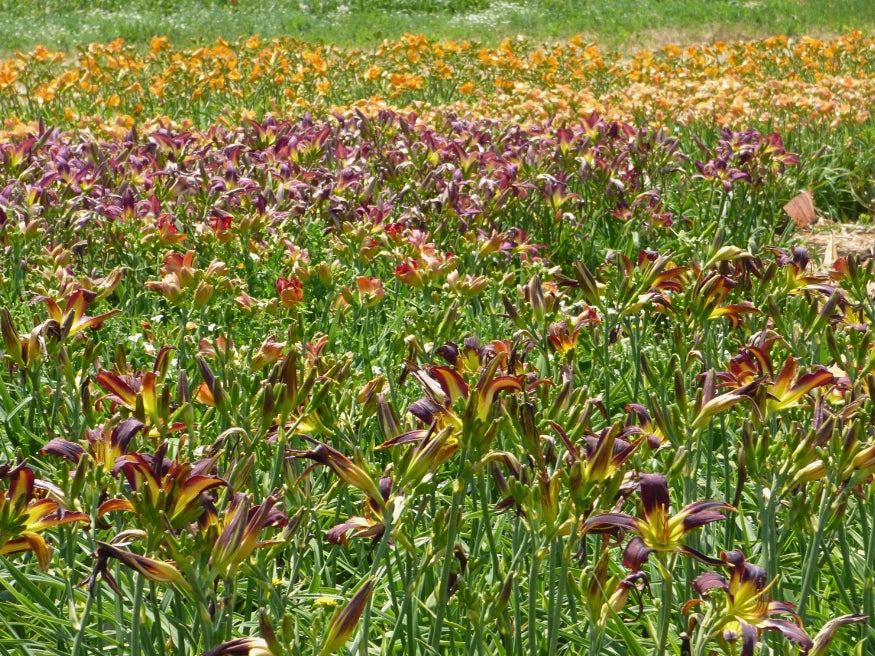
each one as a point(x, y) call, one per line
point(869, 583)
point(533, 598)
point(442, 596)
point(378, 556)
point(77, 644)
point(812, 553)
point(558, 551)
point(135, 616)
point(667, 601)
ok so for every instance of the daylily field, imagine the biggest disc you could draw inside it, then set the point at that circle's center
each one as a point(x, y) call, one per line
point(436, 348)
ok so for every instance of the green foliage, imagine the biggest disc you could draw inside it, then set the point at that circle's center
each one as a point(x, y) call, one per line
point(618, 23)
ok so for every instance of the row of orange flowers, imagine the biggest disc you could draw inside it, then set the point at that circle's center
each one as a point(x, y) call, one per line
point(776, 81)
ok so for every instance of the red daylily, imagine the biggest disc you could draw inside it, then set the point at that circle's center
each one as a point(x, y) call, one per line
point(290, 291)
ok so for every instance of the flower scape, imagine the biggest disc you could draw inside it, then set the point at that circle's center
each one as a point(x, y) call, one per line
point(436, 349)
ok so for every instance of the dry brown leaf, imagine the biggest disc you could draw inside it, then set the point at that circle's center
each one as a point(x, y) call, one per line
point(801, 209)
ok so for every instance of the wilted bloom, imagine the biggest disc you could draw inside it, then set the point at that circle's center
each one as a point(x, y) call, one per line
point(657, 530)
point(605, 595)
point(22, 516)
point(368, 525)
point(344, 468)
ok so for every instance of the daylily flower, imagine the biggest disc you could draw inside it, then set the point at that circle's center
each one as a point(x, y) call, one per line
point(104, 446)
point(745, 610)
point(657, 530)
point(72, 318)
point(130, 390)
point(22, 516)
point(370, 290)
point(269, 352)
point(158, 571)
point(368, 525)
point(751, 377)
point(240, 527)
point(453, 386)
point(290, 291)
point(596, 466)
point(345, 469)
point(162, 487)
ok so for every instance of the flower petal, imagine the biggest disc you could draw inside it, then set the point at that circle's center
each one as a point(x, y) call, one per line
point(610, 522)
point(825, 635)
point(791, 631)
point(654, 493)
point(636, 553)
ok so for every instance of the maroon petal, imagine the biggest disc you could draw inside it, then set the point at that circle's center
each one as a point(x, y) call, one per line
point(610, 522)
point(408, 437)
point(125, 431)
point(701, 513)
point(708, 581)
point(749, 635)
point(702, 558)
point(790, 630)
point(635, 554)
point(424, 410)
point(654, 493)
point(64, 449)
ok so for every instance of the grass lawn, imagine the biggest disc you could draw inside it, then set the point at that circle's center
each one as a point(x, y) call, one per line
point(625, 24)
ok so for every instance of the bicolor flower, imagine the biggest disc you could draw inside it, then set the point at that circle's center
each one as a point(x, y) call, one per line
point(22, 517)
point(745, 608)
point(657, 530)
